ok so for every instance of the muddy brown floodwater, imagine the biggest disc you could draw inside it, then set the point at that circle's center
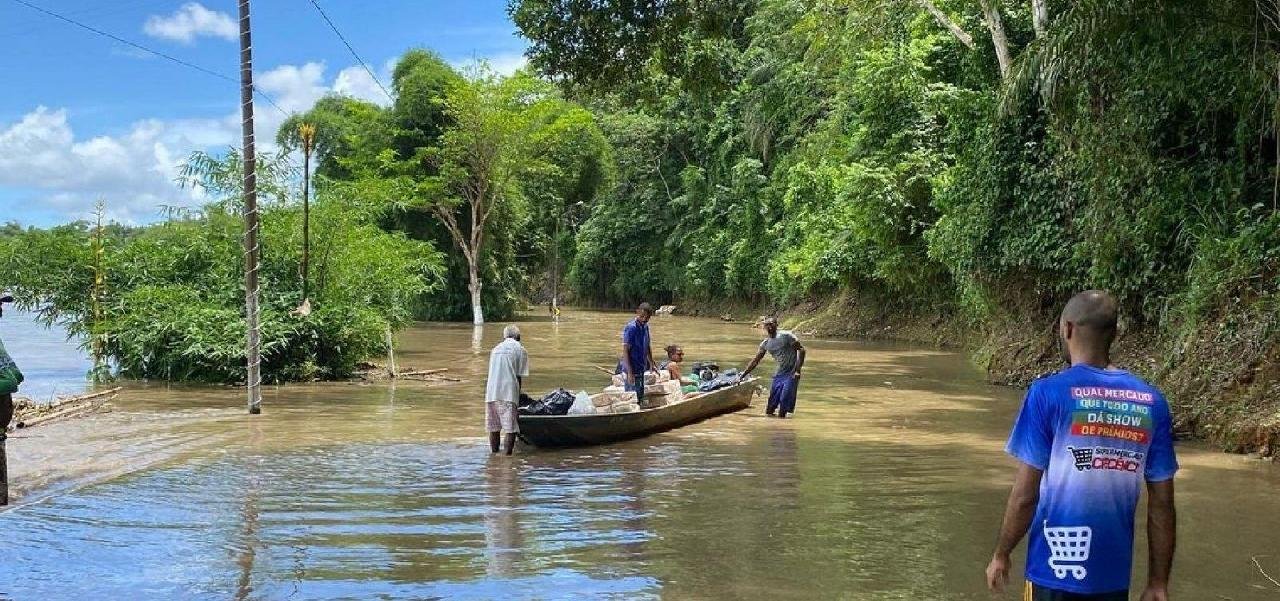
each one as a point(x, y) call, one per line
point(887, 485)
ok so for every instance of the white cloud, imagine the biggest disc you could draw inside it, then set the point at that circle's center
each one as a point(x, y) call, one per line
point(503, 63)
point(356, 82)
point(294, 88)
point(190, 21)
point(508, 63)
point(134, 171)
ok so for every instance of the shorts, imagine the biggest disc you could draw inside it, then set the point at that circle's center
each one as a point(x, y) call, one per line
point(782, 394)
point(1036, 592)
point(501, 416)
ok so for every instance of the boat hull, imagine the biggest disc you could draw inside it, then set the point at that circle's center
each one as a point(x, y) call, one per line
point(552, 431)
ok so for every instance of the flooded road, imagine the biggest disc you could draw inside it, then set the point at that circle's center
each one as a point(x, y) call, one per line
point(888, 485)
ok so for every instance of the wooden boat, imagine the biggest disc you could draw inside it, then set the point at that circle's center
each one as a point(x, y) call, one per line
point(602, 428)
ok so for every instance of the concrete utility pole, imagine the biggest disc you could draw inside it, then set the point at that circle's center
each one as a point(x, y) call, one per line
point(253, 347)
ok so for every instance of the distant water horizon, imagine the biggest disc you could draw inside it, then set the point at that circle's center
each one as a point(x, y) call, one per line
point(52, 364)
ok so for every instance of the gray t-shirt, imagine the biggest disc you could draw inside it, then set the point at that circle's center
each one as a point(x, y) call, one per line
point(784, 350)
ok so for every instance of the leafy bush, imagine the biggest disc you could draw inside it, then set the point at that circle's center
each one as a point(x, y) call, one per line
point(174, 303)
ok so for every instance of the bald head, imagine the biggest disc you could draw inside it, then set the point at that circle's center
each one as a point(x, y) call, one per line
point(1092, 316)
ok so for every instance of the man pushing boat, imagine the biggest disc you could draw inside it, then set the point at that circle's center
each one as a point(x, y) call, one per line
point(788, 353)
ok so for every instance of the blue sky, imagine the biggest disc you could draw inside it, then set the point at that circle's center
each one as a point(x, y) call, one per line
point(83, 117)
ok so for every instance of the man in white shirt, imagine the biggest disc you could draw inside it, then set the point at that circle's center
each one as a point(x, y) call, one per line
point(508, 366)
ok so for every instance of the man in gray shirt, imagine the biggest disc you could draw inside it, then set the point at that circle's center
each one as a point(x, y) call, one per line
point(788, 353)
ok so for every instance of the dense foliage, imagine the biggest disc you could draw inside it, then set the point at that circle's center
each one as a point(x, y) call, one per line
point(494, 168)
point(781, 149)
point(173, 300)
point(936, 154)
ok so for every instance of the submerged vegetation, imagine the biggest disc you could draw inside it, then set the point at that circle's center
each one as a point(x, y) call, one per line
point(974, 160)
point(173, 302)
point(479, 165)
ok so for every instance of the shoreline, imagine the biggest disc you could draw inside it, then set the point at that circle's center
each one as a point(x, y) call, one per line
point(1223, 382)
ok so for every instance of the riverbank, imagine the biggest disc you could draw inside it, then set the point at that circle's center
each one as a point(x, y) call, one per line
point(1222, 380)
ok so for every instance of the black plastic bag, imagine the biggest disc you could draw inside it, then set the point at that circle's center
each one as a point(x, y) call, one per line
point(556, 402)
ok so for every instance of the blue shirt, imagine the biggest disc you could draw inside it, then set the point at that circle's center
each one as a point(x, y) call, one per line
point(636, 335)
point(1096, 434)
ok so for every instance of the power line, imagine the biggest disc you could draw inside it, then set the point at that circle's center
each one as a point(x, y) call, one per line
point(148, 50)
point(352, 50)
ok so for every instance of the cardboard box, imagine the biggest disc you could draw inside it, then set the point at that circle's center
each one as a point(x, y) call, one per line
point(606, 399)
point(667, 392)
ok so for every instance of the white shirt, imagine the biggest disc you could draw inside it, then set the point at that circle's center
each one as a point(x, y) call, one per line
point(507, 362)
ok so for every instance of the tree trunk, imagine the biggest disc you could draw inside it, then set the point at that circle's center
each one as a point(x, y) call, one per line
point(1039, 16)
point(253, 343)
point(948, 23)
point(306, 224)
point(391, 354)
point(991, 11)
point(555, 273)
point(99, 281)
point(477, 311)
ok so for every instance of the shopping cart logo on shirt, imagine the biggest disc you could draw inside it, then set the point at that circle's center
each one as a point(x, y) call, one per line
point(1083, 457)
point(1107, 459)
point(1068, 549)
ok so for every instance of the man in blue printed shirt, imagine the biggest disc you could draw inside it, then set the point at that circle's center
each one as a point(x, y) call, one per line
point(1087, 437)
point(637, 354)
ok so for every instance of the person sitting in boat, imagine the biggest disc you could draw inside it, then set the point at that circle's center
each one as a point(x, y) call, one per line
point(675, 357)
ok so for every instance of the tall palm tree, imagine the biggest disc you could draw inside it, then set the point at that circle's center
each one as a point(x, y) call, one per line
point(307, 134)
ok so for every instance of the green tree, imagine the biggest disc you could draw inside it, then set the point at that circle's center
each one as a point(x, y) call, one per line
point(175, 311)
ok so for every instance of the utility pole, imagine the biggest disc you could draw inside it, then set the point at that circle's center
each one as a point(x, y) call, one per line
point(253, 346)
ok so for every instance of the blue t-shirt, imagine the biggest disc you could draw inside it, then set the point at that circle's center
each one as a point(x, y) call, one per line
point(637, 335)
point(1096, 434)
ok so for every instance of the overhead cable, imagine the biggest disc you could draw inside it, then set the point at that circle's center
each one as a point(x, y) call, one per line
point(351, 49)
point(138, 46)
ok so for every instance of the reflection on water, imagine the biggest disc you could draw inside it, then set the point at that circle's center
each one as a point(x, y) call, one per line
point(888, 485)
point(502, 525)
point(51, 364)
